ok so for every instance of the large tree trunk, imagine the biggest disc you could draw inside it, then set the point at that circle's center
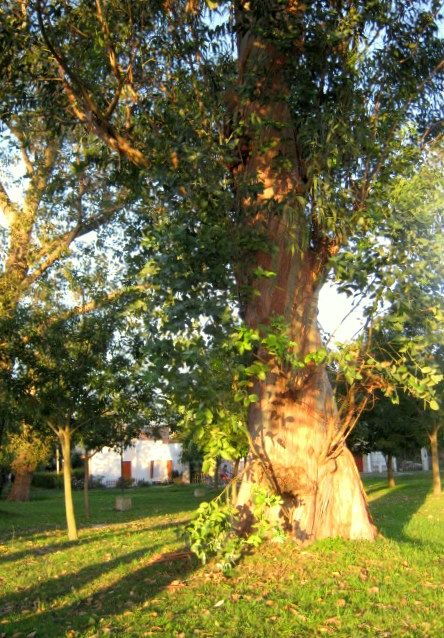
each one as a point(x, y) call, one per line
point(21, 487)
point(65, 442)
point(292, 428)
point(294, 425)
point(390, 471)
point(433, 437)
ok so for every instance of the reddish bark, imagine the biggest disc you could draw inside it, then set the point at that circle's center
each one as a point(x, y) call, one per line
point(295, 421)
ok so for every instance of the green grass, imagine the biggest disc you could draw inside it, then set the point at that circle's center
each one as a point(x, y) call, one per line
point(127, 577)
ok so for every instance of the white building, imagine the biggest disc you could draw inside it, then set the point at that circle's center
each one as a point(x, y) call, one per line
point(145, 460)
point(376, 462)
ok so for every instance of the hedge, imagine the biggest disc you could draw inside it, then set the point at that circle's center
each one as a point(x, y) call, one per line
point(52, 480)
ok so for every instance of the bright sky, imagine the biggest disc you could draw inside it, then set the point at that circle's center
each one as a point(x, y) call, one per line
point(333, 314)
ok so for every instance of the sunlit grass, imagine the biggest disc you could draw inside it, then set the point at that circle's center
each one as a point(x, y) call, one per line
point(127, 575)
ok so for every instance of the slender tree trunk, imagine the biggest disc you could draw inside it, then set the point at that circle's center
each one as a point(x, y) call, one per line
point(433, 437)
point(86, 484)
point(294, 425)
point(390, 471)
point(65, 442)
point(21, 487)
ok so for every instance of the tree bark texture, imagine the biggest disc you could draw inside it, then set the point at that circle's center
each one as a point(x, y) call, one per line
point(294, 425)
point(65, 442)
point(390, 471)
point(21, 487)
point(433, 437)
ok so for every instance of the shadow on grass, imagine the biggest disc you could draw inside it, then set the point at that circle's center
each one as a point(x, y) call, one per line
point(393, 510)
point(147, 503)
point(8, 514)
point(36, 552)
point(122, 595)
point(41, 551)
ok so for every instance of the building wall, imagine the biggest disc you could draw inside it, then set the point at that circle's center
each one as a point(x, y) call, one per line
point(146, 456)
point(376, 462)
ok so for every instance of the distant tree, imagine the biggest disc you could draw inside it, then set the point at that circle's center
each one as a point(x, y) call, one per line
point(129, 412)
point(26, 450)
point(62, 196)
point(74, 376)
point(390, 428)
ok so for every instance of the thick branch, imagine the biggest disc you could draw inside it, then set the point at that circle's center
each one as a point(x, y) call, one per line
point(39, 179)
point(18, 134)
point(9, 209)
point(84, 106)
point(61, 243)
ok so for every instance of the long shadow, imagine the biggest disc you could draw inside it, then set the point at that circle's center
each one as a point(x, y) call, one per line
point(393, 510)
point(126, 594)
point(148, 503)
point(37, 552)
point(53, 588)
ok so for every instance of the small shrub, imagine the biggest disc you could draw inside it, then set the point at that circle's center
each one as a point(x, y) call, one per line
point(96, 482)
point(125, 482)
point(48, 480)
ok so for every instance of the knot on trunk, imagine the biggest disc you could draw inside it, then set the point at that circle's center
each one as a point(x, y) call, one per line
point(293, 481)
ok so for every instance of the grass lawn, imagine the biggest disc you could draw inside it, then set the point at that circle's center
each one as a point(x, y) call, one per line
point(127, 575)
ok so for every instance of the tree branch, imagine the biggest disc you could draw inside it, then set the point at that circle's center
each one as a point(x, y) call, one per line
point(96, 304)
point(18, 134)
point(84, 106)
point(112, 57)
point(9, 209)
point(61, 243)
